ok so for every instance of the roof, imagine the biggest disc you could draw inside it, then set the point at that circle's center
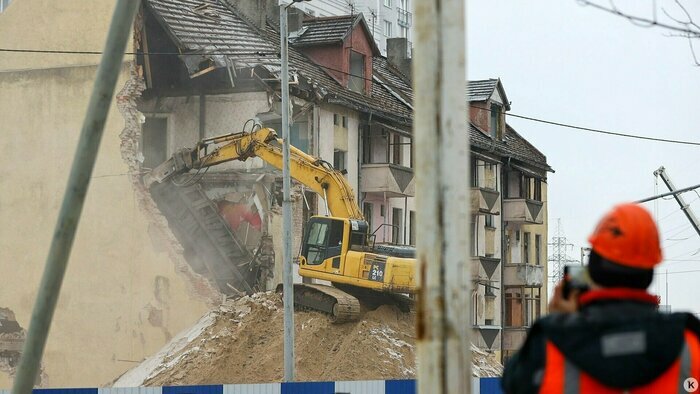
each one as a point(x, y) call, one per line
point(332, 30)
point(513, 145)
point(230, 37)
point(482, 90)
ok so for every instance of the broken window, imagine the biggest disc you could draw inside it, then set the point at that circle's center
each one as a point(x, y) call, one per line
point(339, 157)
point(412, 227)
point(357, 72)
point(538, 245)
point(154, 141)
point(475, 173)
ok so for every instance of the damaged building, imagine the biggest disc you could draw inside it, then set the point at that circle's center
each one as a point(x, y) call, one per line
point(147, 262)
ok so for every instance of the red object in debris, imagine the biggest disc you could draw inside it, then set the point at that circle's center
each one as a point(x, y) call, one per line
point(235, 214)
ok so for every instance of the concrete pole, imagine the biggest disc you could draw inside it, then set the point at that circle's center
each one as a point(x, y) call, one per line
point(74, 198)
point(681, 201)
point(442, 159)
point(287, 279)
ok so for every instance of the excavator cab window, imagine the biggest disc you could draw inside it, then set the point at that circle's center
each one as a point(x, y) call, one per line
point(323, 239)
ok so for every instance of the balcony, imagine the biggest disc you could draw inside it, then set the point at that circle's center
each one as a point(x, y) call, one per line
point(513, 337)
point(404, 18)
point(392, 179)
point(485, 201)
point(487, 264)
point(522, 210)
point(487, 337)
point(526, 275)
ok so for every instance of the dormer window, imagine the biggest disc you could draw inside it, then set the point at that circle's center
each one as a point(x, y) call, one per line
point(356, 82)
point(496, 127)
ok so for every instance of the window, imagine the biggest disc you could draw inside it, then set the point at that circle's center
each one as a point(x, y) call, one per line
point(412, 227)
point(154, 143)
point(526, 248)
point(366, 145)
point(514, 310)
point(396, 156)
point(475, 173)
point(403, 31)
point(367, 212)
point(495, 120)
point(387, 3)
point(356, 80)
point(488, 221)
point(381, 210)
point(538, 245)
point(345, 121)
point(387, 29)
point(397, 225)
point(336, 120)
point(323, 240)
point(5, 3)
point(339, 157)
point(537, 192)
point(490, 174)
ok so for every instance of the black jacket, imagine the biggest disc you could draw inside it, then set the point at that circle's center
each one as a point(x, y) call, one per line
point(583, 336)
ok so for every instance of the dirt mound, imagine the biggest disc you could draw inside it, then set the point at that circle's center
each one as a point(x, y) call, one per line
point(242, 342)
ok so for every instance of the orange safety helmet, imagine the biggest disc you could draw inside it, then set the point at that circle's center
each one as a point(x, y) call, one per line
point(627, 235)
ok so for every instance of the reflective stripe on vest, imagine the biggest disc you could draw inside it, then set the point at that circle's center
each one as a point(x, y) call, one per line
point(561, 376)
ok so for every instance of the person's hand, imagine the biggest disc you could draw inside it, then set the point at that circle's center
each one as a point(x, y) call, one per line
point(559, 304)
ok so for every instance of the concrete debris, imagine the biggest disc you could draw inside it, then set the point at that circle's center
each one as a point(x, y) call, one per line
point(241, 342)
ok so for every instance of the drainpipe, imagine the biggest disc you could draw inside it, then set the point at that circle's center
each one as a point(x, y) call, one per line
point(503, 252)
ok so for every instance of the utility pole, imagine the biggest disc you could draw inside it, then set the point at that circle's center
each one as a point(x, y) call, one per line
point(684, 207)
point(442, 159)
point(560, 257)
point(74, 197)
point(287, 280)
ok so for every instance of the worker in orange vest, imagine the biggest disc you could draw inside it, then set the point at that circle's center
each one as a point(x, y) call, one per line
point(611, 338)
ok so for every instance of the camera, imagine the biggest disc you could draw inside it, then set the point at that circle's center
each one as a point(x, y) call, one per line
point(575, 278)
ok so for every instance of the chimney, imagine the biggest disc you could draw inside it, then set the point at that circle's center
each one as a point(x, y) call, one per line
point(397, 54)
point(254, 10)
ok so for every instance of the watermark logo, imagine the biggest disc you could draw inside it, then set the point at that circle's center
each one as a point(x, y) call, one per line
point(690, 385)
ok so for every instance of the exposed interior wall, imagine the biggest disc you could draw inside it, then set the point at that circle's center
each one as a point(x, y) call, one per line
point(123, 296)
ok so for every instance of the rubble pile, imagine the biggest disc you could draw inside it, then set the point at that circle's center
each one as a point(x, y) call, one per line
point(242, 342)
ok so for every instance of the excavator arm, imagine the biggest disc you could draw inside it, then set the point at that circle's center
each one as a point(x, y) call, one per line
point(313, 172)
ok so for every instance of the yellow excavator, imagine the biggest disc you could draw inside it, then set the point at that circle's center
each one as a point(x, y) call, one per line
point(337, 248)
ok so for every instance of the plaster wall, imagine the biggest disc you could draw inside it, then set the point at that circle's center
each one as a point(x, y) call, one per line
point(53, 25)
point(123, 297)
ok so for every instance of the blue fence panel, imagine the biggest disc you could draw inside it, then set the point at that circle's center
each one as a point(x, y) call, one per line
point(214, 389)
point(308, 388)
point(400, 387)
point(490, 386)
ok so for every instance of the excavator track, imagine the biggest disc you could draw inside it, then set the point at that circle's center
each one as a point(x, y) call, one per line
point(339, 305)
point(373, 299)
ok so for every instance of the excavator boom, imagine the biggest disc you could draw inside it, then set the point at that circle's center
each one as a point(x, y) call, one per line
point(314, 173)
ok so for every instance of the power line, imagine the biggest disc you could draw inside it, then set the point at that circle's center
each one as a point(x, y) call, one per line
point(383, 82)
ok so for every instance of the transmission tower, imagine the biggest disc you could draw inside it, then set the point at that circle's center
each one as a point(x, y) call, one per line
point(559, 256)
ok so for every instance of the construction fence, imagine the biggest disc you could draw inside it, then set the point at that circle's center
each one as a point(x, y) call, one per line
point(479, 386)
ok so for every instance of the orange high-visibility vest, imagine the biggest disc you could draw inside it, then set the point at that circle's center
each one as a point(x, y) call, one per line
point(560, 376)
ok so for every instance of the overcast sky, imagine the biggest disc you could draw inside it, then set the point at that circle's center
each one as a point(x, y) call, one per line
point(563, 62)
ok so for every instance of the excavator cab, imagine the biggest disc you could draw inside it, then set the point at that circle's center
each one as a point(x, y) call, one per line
point(327, 239)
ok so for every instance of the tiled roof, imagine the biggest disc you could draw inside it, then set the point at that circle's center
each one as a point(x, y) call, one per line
point(513, 145)
point(247, 47)
point(220, 31)
point(326, 30)
point(481, 90)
